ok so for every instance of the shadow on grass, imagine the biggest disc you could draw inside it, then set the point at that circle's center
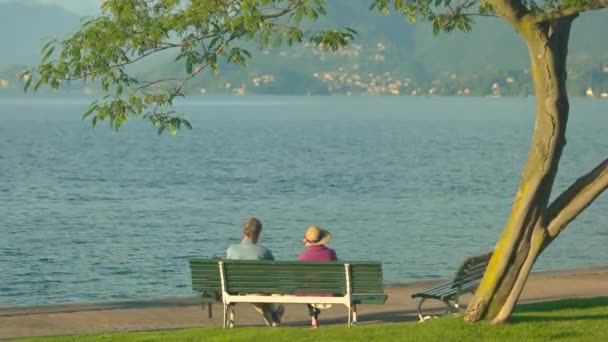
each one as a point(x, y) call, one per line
point(541, 318)
point(367, 318)
point(397, 316)
point(576, 303)
point(534, 312)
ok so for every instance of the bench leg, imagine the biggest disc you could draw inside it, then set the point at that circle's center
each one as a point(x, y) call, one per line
point(210, 309)
point(225, 315)
point(354, 315)
point(449, 308)
point(456, 305)
point(350, 316)
point(452, 306)
point(421, 318)
point(231, 322)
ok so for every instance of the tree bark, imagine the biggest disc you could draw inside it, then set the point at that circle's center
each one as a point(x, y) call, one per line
point(525, 234)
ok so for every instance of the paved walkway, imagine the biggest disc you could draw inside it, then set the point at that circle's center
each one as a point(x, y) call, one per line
point(175, 313)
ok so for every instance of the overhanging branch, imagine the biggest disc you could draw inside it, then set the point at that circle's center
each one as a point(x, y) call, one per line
point(511, 10)
point(570, 11)
point(567, 206)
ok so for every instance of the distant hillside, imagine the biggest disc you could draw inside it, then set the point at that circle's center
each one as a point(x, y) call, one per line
point(388, 54)
point(23, 29)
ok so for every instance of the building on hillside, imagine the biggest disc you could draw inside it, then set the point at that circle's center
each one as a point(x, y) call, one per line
point(239, 91)
point(495, 92)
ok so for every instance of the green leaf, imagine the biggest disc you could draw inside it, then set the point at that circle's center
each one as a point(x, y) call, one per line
point(46, 46)
point(213, 42)
point(92, 108)
point(118, 90)
point(37, 85)
point(48, 54)
point(28, 82)
point(436, 27)
point(172, 129)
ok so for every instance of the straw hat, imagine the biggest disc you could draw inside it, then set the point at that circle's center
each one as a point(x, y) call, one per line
point(316, 236)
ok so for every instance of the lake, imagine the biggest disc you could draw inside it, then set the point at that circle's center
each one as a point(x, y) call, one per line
point(87, 214)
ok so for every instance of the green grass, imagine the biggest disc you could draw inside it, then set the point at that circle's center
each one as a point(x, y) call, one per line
point(563, 320)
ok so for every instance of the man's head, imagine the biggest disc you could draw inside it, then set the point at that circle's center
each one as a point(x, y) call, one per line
point(252, 228)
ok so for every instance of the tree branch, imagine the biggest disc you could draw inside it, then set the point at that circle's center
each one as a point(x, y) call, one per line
point(569, 11)
point(511, 10)
point(567, 206)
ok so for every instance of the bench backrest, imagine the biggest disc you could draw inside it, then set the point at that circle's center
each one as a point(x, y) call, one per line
point(205, 276)
point(471, 271)
point(286, 277)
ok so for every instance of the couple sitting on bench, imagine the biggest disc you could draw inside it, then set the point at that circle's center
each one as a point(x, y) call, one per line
point(315, 239)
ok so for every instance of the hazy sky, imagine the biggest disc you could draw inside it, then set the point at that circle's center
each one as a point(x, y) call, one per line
point(78, 6)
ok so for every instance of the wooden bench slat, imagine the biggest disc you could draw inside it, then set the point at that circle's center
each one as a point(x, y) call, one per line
point(379, 298)
point(267, 276)
point(378, 289)
point(304, 266)
point(207, 285)
point(285, 287)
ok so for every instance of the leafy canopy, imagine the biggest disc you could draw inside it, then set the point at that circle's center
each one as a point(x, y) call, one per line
point(447, 15)
point(202, 34)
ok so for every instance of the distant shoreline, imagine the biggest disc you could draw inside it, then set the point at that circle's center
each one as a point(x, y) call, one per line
point(11, 93)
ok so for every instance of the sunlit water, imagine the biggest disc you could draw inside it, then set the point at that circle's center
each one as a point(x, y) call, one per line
point(418, 183)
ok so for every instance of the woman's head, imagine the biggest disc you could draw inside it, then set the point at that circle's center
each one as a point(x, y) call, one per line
point(316, 236)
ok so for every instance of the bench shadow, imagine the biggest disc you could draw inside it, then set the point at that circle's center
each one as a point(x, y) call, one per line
point(398, 316)
point(533, 312)
point(541, 318)
point(571, 303)
point(536, 310)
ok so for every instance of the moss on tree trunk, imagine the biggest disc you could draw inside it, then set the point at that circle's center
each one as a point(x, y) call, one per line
point(525, 234)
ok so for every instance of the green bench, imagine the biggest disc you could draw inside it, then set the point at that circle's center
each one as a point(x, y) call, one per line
point(262, 281)
point(465, 280)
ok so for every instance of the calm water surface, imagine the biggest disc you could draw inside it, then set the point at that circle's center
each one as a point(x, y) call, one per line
point(91, 215)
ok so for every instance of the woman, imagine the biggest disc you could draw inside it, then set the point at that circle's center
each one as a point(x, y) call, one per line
point(316, 239)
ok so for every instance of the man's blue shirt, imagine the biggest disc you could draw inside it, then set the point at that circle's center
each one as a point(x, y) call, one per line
point(248, 250)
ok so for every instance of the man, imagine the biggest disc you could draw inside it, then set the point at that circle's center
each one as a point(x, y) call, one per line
point(248, 249)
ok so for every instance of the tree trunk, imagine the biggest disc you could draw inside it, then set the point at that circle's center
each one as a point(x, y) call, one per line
point(525, 234)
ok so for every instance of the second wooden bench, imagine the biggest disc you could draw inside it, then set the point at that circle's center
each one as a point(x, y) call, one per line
point(465, 280)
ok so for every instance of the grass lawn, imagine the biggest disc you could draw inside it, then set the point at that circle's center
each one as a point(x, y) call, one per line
point(563, 320)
